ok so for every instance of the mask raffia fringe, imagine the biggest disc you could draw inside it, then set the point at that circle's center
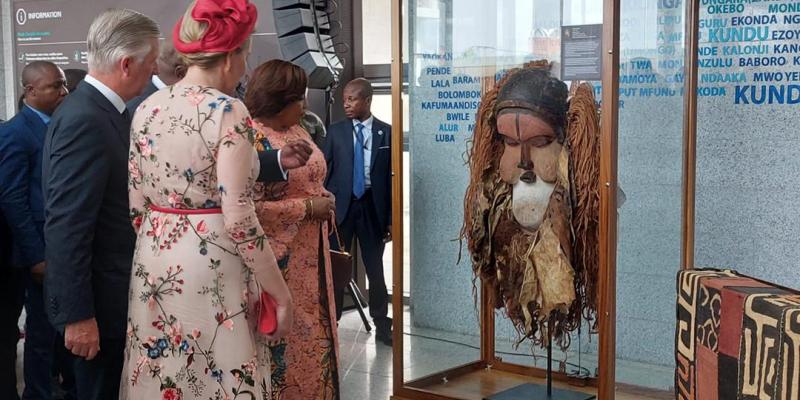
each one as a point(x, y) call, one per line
point(482, 158)
point(583, 126)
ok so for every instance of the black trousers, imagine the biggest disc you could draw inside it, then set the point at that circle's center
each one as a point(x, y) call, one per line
point(99, 378)
point(361, 221)
point(42, 346)
point(12, 297)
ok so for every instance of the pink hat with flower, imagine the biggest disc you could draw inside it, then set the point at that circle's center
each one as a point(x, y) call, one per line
point(230, 23)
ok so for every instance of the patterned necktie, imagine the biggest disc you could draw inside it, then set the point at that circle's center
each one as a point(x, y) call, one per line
point(359, 180)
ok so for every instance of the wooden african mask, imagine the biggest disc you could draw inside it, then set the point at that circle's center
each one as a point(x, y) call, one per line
point(531, 209)
point(529, 163)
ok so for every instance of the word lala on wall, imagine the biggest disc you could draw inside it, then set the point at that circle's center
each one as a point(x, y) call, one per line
point(449, 95)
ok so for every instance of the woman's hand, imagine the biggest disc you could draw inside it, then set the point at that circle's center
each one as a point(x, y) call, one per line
point(285, 316)
point(320, 207)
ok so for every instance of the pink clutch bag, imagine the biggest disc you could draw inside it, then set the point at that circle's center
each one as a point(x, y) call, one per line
point(268, 320)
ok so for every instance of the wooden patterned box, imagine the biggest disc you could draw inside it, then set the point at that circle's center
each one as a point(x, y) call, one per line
point(736, 338)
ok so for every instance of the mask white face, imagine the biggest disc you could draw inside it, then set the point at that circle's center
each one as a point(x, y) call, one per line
point(530, 201)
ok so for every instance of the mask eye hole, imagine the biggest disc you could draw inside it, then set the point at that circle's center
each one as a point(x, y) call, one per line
point(541, 141)
point(509, 141)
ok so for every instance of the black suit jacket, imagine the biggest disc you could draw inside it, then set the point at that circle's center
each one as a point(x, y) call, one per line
point(270, 168)
point(88, 234)
point(338, 149)
point(136, 101)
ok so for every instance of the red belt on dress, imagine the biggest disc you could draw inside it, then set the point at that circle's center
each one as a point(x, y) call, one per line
point(184, 211)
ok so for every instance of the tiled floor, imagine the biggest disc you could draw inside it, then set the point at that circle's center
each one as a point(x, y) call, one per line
point(366, 365)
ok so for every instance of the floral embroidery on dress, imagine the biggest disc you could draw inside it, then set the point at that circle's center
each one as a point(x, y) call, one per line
point(191, 332)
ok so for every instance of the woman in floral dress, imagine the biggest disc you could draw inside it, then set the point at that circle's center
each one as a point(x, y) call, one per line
point(294, 216)
point(202, 259)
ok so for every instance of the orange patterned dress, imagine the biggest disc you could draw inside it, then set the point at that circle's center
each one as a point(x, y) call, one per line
point(305, 363)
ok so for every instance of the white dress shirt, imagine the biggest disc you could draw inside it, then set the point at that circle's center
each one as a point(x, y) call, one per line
point(158, 83)
point(367, 132)
point(112, 96)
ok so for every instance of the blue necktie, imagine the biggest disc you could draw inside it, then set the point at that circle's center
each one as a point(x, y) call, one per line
point(359, 180)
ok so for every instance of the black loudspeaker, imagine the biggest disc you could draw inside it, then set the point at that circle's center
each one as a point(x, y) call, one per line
point(304, 28)
point(296, 20)
point(282, 4)
point(319, 69)
point(294, 46)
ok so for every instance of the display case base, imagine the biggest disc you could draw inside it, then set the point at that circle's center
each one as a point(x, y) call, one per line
point(480, 384)
point(530, 391)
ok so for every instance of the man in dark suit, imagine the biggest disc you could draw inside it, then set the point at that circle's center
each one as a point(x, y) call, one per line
point(358, 153)
point(9, 333)
point(21, 141)
point(88, 233)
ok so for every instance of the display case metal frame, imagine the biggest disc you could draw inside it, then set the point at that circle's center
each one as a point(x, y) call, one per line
point(501, 372)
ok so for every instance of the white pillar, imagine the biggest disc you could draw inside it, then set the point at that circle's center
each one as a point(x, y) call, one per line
point(8, 94)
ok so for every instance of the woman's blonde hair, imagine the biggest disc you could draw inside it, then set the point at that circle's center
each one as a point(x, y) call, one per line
point(192, 31)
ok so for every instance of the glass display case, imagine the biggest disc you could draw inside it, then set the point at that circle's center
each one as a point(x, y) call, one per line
point(655, 66)
point(450, 341)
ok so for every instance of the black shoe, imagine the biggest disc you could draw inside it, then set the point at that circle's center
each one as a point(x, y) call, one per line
point(384, 331)
point(385, 337)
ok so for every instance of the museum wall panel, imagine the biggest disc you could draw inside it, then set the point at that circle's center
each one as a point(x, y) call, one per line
point(748, 150)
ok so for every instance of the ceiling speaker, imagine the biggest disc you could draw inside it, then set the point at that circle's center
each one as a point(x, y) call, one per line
point(282, 4)
point(306, 41)
point(318, 67)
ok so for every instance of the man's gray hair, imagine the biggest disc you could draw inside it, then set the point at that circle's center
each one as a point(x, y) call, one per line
point(116, 34)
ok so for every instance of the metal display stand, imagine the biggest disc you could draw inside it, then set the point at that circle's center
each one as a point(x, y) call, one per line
point(531, 391)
